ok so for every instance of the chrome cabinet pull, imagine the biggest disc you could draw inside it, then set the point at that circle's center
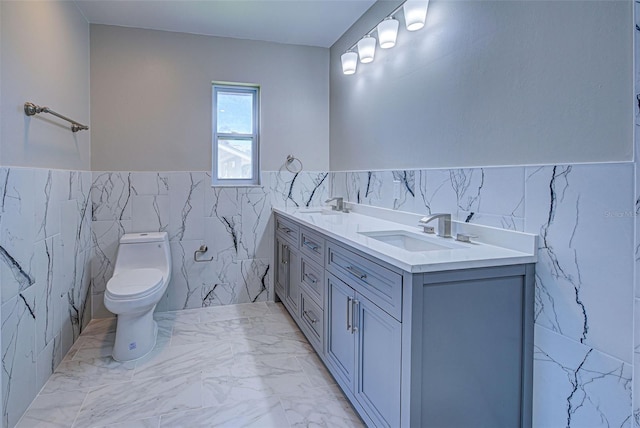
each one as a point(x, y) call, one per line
point(285, 249)
point(311, 318)
point(355, 272)
point(311, 278)
point(354, 315)
point(285, 229)
point(312, 245)
point(349, 314)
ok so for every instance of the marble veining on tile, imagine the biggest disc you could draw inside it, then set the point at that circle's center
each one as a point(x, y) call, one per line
point(45, 254)
point(234, 223)
point(319, 407)
point(139, 399)
point(53, 273)
point(242, 374)
point(49, 411)
point(584, 216)
point(594, 389)
point(636, 343)
point(581, 247)
point(263, 413)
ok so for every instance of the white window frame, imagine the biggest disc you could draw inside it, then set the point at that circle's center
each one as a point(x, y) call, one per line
point(238, 88)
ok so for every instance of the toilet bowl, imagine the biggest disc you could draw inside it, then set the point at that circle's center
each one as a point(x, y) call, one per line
point(140, 278)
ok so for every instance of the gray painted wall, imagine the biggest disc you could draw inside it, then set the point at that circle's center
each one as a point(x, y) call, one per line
point(151, 98)
point(45, 60)
point(489, 83)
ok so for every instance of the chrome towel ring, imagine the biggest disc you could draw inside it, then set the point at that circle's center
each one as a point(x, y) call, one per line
point(293, 164)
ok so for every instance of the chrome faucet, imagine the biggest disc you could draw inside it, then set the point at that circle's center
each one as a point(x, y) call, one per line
point(339, 206)
point(444, 224)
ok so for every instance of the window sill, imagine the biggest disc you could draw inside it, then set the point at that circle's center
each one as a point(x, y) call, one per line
point(238, 185)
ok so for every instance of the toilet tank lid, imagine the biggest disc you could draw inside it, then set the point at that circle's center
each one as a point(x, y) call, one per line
point(136, 238)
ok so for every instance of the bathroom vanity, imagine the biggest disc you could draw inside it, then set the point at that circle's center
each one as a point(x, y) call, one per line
point(418, 330)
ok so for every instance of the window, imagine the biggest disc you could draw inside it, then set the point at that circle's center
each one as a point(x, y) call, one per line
point(236, 124)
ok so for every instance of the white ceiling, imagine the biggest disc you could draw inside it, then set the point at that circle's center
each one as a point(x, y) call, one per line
point(300, 22)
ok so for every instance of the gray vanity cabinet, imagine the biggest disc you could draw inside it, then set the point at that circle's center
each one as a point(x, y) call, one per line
point(312, 321)
point(364, 349)
point(299, 277)
point(476, 329)
point(282, 265)
point(378, 363)
point(312, 248)
point(373, 310)
point(340, 340)
point(438, 349)
point(287, 272)
point(292, 288)
point(288, 259)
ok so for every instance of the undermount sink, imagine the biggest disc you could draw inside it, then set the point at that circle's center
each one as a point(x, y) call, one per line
point(322, 211)
point(412, 241)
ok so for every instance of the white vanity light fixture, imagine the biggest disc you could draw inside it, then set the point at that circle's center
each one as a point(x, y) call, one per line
point(349, 62)
point(415, 14)
point(367, 49)
point(388, 32)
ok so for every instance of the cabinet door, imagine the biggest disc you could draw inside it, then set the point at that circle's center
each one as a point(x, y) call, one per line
point(341, 340)
point(292, 286)
point(378, 362)
point(485, 359)
point(282, 266)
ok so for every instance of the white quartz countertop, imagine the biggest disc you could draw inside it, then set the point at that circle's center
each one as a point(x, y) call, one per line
point(490, 247)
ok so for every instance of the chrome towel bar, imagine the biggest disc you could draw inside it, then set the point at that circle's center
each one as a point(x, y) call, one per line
point(31, 109)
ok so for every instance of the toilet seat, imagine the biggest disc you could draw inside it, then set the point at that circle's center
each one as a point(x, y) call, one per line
point(134, 283)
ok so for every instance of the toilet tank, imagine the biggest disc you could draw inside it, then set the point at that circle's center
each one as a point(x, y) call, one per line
point(144, 250)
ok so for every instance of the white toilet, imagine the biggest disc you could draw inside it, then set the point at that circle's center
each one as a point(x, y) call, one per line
point(140, 278)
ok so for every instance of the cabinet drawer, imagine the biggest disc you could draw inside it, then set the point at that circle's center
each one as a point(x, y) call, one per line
point(379, 284)
point(312, 321)
point(312, 245)
point(312, 279)
point(288, 230)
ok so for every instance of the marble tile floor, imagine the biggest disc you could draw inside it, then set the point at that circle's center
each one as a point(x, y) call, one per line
point(242, 365)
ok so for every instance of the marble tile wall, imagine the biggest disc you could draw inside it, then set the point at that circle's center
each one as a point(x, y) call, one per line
point(584, 215)
point(50, 221)
point(234, 223)
point(635, 214)
point(45, 253)
point(583, 371)
point(491, 196)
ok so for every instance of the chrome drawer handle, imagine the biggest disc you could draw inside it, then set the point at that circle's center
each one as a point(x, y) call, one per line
point(356, 272)
point(311, 278)
point(309, 317)
point(313, 246)
point(355, 310)
point(285, 229)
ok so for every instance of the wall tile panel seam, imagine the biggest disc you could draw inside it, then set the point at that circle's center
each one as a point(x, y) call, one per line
point(577, 342)
point(524, 165)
